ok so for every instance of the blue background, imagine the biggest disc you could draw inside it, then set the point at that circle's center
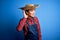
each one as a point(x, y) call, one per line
point(48, 15)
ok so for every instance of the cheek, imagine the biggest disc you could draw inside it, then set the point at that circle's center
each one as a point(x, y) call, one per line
point(32, 13)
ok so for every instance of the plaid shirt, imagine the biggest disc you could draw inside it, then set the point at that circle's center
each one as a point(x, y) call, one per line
point(23, 23)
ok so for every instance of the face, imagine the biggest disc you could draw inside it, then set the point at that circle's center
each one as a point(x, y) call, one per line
point(31, 13)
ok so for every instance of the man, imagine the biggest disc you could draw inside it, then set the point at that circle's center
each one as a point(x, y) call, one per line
point(29, 23)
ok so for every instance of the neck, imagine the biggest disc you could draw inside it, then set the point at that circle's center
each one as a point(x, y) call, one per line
point(30, 16)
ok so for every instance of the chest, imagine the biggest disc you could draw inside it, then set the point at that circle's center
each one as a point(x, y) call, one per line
point(31, 24)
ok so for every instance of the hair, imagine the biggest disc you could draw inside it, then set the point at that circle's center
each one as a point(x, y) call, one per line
point(26, 11)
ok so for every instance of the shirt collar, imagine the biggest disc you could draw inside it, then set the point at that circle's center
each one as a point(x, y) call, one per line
point(30, 18)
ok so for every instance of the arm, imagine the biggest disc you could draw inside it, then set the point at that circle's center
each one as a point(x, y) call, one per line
point(21, 24)
point(39, 31)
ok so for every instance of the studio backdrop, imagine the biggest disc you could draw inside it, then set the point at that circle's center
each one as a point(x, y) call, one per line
point(47, 13)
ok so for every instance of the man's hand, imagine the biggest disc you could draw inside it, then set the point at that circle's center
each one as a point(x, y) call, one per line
point(25, 16)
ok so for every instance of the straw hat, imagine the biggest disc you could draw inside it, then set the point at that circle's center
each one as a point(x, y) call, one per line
point(29, 6)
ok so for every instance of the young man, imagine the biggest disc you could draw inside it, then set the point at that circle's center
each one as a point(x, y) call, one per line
point(29, 23)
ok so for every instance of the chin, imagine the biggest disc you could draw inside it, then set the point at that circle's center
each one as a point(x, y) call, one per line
point(32, 16)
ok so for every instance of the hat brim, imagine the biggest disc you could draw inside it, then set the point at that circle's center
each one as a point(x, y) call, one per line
point(28, 8)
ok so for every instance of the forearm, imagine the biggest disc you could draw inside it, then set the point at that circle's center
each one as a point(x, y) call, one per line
point(21, 24)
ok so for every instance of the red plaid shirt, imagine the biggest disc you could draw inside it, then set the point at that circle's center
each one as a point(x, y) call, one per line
point(23, 23)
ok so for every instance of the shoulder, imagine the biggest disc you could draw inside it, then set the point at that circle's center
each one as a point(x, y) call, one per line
point(36, 19)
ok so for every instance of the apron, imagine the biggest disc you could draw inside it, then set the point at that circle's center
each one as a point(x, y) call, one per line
point(32, 32)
